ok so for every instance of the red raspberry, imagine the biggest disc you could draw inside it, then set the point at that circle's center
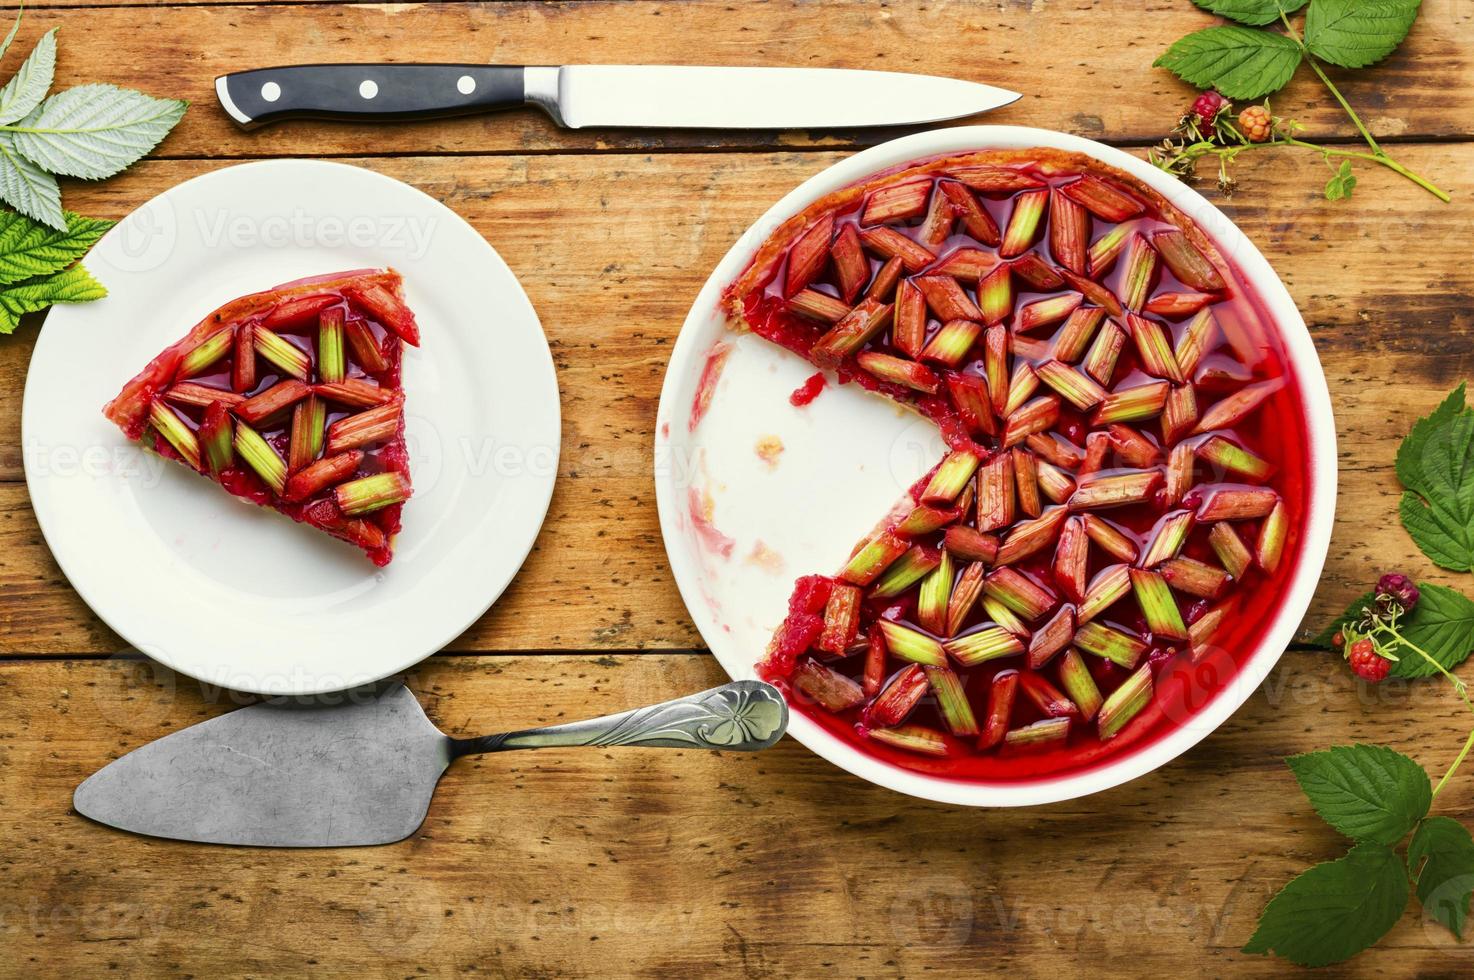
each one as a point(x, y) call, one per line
point(1256, 123)
point(1206, 108)
point(1366, 663)
point(1339, 640)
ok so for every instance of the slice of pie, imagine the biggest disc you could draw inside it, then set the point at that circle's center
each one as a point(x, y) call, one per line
point(1126, 465)
point(291, 398)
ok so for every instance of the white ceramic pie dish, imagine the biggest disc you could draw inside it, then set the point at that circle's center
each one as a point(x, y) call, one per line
point(736, 539)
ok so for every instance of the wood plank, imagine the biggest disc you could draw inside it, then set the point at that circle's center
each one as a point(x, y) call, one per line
point(642, 862)
point(1383, 282)
point(1052, 54)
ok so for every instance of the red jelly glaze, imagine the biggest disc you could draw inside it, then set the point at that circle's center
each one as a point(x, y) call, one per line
point(805, 393)
point(1277, 431)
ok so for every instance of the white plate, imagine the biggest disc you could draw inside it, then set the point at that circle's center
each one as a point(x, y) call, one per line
point(239, 596)
point(832, 485)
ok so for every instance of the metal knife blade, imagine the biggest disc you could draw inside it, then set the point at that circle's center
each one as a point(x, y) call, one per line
point(580, 96)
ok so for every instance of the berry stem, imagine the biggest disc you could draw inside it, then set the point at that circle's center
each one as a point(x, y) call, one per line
point(1226, 155)
point(1315, 66)
point(1459, 687)
point(1458, 761)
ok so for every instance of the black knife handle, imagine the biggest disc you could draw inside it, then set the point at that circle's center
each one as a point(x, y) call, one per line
point(368, 92)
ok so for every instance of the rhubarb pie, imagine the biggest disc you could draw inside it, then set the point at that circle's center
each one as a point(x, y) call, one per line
point(1116, 517)
point(291, 399)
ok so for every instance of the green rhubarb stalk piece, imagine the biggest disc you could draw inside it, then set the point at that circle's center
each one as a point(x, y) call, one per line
point(1103, 198)
point(974, 217)
point(308, 421)
point(1131, 404)
point(924, 519)
point(331, 361)
point(1179, 472)
point(898, 698)
point(1133, 448)
point(1037, 416)
point(911, 645)
point(995, 296)
point(997, 612)
point(205, 353)
point(936, 227)
point(1154, 348)
point(818, 306)
point(903, 571)
point(969, 544)
point(1179, 413)
point(1111, 644)
point(1054, 482)
point(908, 332)
point(1107, 249)
point(951, 476)
point(1030, 537)
point(1109, 587)
point(988, 643)
point(175, 432)
point(841, 619)
point(1200, 633)
point(1052, 637)
point(280, 352)
point(243, 365)
point(950, 344)
point(261, 457)
point(860, 326)
point(1110, 538)
point(1197, 578)
point(1157, 604)
point(1071, 559)
point(970, 394)
point(1046, 312)
point(911, 738)
point(965, 593)
point(890, 243)
point(1024, 383)
point(883, 286)
point(1069, 233)
point(1233, 458)
point(1125, 702)
point(933, 596)
point(1040, 734)
point(897, 202)
point(898, 370)
point(1019, 593)
point(1175, 306)
point(996, 498)
point(201, 396)
point(995, 366)
point(807, 255)
point(1118, 490)
point(946, 298)
point(372, 493)
point(1072, 339)
point(1078, 389)
point(1189, 265)
point(217, 437)
point(1168, 538)
point(1079, 685)
point(1237, 505)
point(1272, 533)
point(354, 431)
point(827, 688)
point(1237, 406)
point(1196, 340)
point(365, 346)
point(1100, 360)
point(952, 703)
point(1230, 549)
point(1023, 223)
point(1141, 268)
point(873, 558)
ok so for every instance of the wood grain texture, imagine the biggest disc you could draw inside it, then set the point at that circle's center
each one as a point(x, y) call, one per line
point(671, 863)
point(1378, 281)
point(1050, 52)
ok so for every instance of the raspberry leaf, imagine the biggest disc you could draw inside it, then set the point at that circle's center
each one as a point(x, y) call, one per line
point(1356, 33)
point(1341, 184)
point(1255, 13)
point(1334, 910)
point(1436, 466)
point(28, 248)
point(1367, 792)
point(1442, 624)
point(1440, 857)
point(29, 85)
point(94, 131)
point(75, 285)
point(1353, 612)
point(1240, 62)
point(27, 188)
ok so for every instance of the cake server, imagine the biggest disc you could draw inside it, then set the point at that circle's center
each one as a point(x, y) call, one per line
point(577, 96)
point(295, 774)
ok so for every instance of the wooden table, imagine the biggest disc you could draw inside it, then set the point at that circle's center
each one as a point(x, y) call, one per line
point(670, 863)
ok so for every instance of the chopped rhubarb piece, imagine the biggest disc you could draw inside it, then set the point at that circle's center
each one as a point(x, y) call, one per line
point(1110, 644)
point(829, 689)
point(818, 306)
point(370, 493)
point(896, 203)
point(1106, 249)
point(1179, 472)
point(1103, 198)
point(1100, 360)
point(1079, 685)
point(217, 438)
point(1200, 632)
point(1054, 482)
point(889, 243)
point(911, 645)
point(904, 571)
point(976, 221)
point(1140, 271)
point(1168, 537)
point(1030, 537)
point(998, 613)
point(884, 284)
point(1195, 340)
point(860, 326)
point(952, 703)
point(970, 394)
point(875, 654)
point(1195, 577)
point(1179, 413)
point(1032, 349)
point(243, 361)
point(366, 348)
point(277, 398)
point(201, 396)
point(965, 595)
point(355, 393)
point(995, 366)
point(988, 643)
point(1055, 449)
point(1001, 693)
point(175, 432)
point(1175, 306)
point(950, 477)
point(946, 298)
point(1230, 549)
point(1109, 587)
point(1097, 447)
point(1109, 538)
point(909, 332)
point(298, 312)
point(841, 619)
point(308, 420)
point(898, 370)
point(205, 354)
point(995, 296)
point(875, 557)
point(970, 545)
point(934, 595)
point(924, 519)
point(807, 256)
point(1154, 348)
point(1069, 233)
point(1237, 505)
point(1021, 386)
point(964, 502)
point(261, 457)
point(1097, 294)
point(1157, 604)
point(355, 431)
point(326, 472)
point(1115, 490)
point(380, 303)
point(1036, 272)
point(1077, 389)
point(1125, 702)
point(1233, 409)
point(967, 264)
point(1019, 593)
point(1026, 483)
point(1233, 458)
point(896, 701)
point(1039, 735)
point(911, 738)
point(951, 343)
point(1050, 700)
point(851, 267)
point(936, 227)
point(1023, 223)
point(1052, 637)
point(287, 358)
point(1070, 559)
point(995, 180)
point(1046, 312)
point(1038, 415)
point(1072, 339)
point(1132, 404)
point(1133, 448)
point(1186, 262)
point(1270, 547)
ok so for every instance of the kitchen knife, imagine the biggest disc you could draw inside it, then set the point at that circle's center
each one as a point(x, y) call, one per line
point(577, 96)
point(289, 774)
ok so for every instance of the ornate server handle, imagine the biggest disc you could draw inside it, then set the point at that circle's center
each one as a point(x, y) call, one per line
point(742, 716)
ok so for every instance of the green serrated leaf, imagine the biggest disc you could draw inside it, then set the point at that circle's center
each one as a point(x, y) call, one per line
point(1357, 33)
point(1367, 792)
point(29, 85)
point(94, 131)
point(29, 249)
point(27, 188)
point(14, 30)
point(1334, 910)
point(1255, 13)
point(1353, 612)
point(1443, 625)
point(1342, 183)
point(1240, 62)
point(1440, 857)
point(1435, 464)
point(74, 285)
